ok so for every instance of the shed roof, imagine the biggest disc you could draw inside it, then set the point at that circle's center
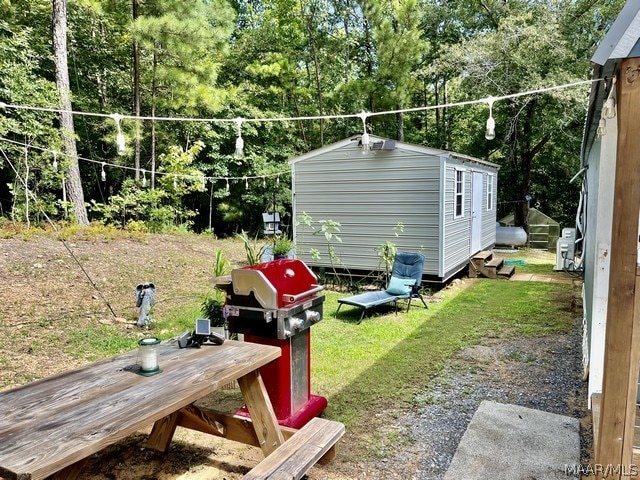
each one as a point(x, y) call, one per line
point(536, 217)
point(406, 146)
point(622, 41)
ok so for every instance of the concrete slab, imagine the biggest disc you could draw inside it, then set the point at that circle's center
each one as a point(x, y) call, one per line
point(559, 277)
point(509, 442)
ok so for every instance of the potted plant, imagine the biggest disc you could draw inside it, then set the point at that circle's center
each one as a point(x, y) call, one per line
point(212, 308)
point(282, 246)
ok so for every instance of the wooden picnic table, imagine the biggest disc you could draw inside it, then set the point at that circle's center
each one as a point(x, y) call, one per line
point(52, 425)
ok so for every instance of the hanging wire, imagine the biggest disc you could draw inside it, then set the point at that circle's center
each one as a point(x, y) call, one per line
point(55, 229)
point(124, 167)
point(302, 118)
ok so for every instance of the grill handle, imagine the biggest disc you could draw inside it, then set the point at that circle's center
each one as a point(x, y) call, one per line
point(289, 298)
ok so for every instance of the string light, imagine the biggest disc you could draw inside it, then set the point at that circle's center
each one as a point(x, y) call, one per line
point(609, 107)
point(246, 183)
point(490, 131)
point(365, 142)
point(239, 141)
point(264, 182)
point(55, 161)
point(602, 128)
point(125, 167)
point(144, 178)
point(227, 187)
point(120, 142)
point(103, 174)
point(312, 117)
point(175, 182)
point(278, 179)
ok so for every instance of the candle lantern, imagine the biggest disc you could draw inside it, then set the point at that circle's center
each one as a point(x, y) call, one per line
point(148, 356)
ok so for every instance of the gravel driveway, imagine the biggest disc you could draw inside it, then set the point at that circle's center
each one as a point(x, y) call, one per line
point(541, 373)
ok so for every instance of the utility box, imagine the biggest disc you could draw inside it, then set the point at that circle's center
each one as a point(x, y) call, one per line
point(566, 250)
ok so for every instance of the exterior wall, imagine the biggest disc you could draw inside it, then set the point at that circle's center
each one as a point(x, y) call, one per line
point(489, 213)
point(597, 248)
point(368, 195)
point(457, 231)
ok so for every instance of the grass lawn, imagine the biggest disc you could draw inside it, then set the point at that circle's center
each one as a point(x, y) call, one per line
point(381, 364)
point(371, 372)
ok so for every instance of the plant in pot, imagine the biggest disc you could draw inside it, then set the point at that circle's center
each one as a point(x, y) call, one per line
point(281, 248)
point(212, 308)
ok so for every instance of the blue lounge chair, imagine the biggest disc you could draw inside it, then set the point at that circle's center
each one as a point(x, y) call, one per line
point(405, 282)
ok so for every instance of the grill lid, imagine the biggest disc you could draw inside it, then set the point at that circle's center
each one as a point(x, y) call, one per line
point(275, 284)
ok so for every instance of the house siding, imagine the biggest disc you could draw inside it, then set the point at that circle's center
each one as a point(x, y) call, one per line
point(369, 195)
point(457, 239)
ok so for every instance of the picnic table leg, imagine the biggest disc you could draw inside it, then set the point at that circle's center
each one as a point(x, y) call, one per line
point(69, 473)
point(162, 432)
point(262, 414)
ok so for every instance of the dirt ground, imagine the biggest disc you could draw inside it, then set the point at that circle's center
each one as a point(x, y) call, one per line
point(46, 297)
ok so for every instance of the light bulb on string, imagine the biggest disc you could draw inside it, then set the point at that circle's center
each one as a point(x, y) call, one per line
point(227, 187)
point(365, 141)
point(246, 183)
point(239, 141)
point(175, 182)
point(264, 182)
point(490, 131)
point(55, 161)
point(120, 142)
point(609, 107)
point(278, 180)
point(144, 178)
point(103, 174)
point(602, 128)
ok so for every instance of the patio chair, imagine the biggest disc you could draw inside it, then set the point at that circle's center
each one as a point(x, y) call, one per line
point(405, 282)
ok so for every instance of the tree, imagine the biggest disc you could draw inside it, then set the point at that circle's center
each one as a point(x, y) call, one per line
point(180, 46)
point(73, 181)
point(522, 48)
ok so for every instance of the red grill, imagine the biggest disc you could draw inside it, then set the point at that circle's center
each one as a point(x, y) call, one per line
point(276, 303)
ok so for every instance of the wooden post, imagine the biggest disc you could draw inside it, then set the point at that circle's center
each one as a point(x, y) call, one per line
point(622, 346)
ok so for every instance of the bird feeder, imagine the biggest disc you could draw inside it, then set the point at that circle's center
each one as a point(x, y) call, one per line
point(271, 223)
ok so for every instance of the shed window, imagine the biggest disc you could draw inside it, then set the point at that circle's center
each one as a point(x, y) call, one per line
point(459, 211)
point(489, 192)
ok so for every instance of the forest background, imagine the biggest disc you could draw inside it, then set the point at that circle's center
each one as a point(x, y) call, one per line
point(233, 59)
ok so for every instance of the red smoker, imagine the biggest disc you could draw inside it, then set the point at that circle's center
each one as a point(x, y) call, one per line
point(275, 303)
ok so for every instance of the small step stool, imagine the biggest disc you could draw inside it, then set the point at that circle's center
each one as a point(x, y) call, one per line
point(483, 264)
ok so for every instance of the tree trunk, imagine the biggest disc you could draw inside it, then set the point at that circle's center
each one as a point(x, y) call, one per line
point(153, 122)
point(136, 95)
point(73, 181)
point(316, 67)
point(399, 124)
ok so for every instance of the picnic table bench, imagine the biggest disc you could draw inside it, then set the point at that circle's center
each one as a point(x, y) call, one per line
point(50, 427)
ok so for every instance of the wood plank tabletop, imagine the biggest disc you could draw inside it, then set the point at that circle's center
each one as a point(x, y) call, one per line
point(54, 422)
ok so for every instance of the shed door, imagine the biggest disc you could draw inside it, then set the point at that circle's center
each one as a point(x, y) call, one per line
point(476, 212)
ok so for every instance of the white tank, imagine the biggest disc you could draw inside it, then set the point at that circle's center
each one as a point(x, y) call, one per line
point(514, 236)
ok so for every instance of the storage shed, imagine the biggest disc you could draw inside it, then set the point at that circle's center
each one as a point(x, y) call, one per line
point(445, 203)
